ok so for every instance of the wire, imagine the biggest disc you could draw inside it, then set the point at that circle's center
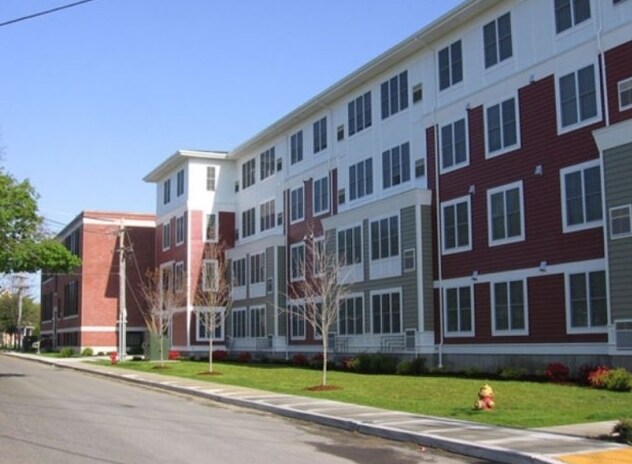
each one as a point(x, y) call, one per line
point(42, 13)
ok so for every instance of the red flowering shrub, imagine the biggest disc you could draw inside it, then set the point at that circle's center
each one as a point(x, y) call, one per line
point(557, 372)
point(317, 361)
point(597, 378)
point(220, 355)
point(244, 357)
point(174, 355)
point(300, 360)
point(584, 372)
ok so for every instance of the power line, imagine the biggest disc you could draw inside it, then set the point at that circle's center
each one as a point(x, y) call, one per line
point(42, 13)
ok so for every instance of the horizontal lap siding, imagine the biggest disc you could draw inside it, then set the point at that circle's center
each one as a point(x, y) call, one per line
point(618, 67)
point(409, 281)
point(427, 247)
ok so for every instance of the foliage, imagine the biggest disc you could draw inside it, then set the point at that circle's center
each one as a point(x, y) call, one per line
point(512, 373)
point(299, 359)
point(87, 352)
point(597, 377)
point(524, 404)
point(416, 366)
point(220, 355)
point(25, 246)
point(557, 372)
point(244, 357)
point(9, 312)
point(584, 372)
point(618, 380)
point(623, 431)
point(66, 352)
point(173, 355)
point(375, 363)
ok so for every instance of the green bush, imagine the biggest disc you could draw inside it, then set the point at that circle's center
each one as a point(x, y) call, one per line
point(623, 431)
point(618, 380)
point(87, 352)
point(375, 363)
point(416, 366)
point(66, 352)
point(512, 373)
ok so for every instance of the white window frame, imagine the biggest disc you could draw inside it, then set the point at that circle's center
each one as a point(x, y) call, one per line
point(180, 183)
point(234, 268)
point(206, 228)
point(301, 275)
point(395, 86)
point(245, 214)
point(214, 286)
point(504, 149)
point(399, 153)
point(409, 255)
point(267, 163)
point(566, 228)
point(452, 83)
point(323, 210)
point(300, 315)
point(352, 296)
point(261, 309)
point(497, 49)
point(561, 129)
point(455, 165)
point(567, 290)
point(573, 23)
point(267, 215)
point(296, 147)
point(318, 249)
point(180, 230)
point(390, 238)
point(211, 178)
point(509, 332)
point(204, 336)
point(504, 188)
point(257, 276)
point(360, 115)
point(294, 207)
point(456, 249)
point(166, 236)
point(320, 134)
point(627, 83)
point(179, 276)
point(249, 173)
point(628, 208)
point(354, 194)
point(459, 333)
point(350, 261)
point(239, 316)
point(388, 291)
point(166, 192)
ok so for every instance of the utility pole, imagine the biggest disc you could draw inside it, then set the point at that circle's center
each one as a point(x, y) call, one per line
point(122, 341)
point(21, 286)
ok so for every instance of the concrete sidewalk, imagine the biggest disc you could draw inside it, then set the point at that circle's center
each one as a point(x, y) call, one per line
point(565, 444)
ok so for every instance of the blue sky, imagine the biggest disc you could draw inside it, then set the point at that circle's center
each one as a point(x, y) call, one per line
point(94, 97)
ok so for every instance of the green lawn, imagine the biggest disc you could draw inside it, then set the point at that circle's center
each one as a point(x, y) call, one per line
point(519, 404)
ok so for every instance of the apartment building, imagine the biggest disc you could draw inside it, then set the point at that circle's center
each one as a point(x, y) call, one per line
point(81, 309)
point(472, 180)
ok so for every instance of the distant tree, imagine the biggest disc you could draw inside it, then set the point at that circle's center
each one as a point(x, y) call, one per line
point(213, 297)
point(9, 312)
point(323, 292)
point(25, 246)
point(162, 299)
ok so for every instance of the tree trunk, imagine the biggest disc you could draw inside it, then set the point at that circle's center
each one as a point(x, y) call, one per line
point(325, 344)
point(210, 354)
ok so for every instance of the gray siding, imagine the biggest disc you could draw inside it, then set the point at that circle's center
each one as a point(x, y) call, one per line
point(269, 298)
point(618, 175)
point(427, 243)
point(409, 280)
point(281, 279)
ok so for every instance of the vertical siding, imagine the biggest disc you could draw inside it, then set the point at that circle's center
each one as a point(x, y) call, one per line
point(427, 246)
point(409, 281)
point(282, 278)
point(271, 304)
point(618, 172)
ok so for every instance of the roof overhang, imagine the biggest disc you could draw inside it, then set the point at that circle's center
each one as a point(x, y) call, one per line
point(177, 158)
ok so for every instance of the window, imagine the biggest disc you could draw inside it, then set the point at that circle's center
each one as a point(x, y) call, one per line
point(418, 93)
point(211, 234)
point(350, 246)
point(210, 278)
point(497, 39)
point(166, 236)
point(621, 221)
point(320, 135)
point(257, 322)
point(581, 196)
point(297, 261)
point(614, 2)
point(625, 94)
point(386, 308)
point(239, 272)
point(248, 173)
point(180, 183)
point(454, 145)
point(320, 261)
point(296, 147)
point(360, 113)
point(257, 268)
point(321, 195)
point(209, 328)
point(180, 230)
point(450, 65)
point(267, 215)
point(71, 299)
point(210, 178)
point(297, 322)
point(396, 166)
point(420, 168)
point(409, 260)
point(587, 305)
point(179, 277)
point(578, 97)
point(351, 316)
point(297, 204)
point(509, 308)
point(502, 127)
point(248, 223)
point(455, 217)
point(394, 94)
point(459, 311)
point(505, 214)
point(266, 163)
point(385, 238)
point(238, 317)
point(166, 191)
point(361, 179)
point(569, 13)
point(47, 307)
point(71, 242)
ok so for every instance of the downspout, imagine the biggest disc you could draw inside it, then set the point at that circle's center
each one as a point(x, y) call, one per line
point(606, 118)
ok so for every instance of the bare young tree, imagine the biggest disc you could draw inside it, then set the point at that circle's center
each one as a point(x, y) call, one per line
point(213, 297)
point(162, 300)
point(321, 289)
